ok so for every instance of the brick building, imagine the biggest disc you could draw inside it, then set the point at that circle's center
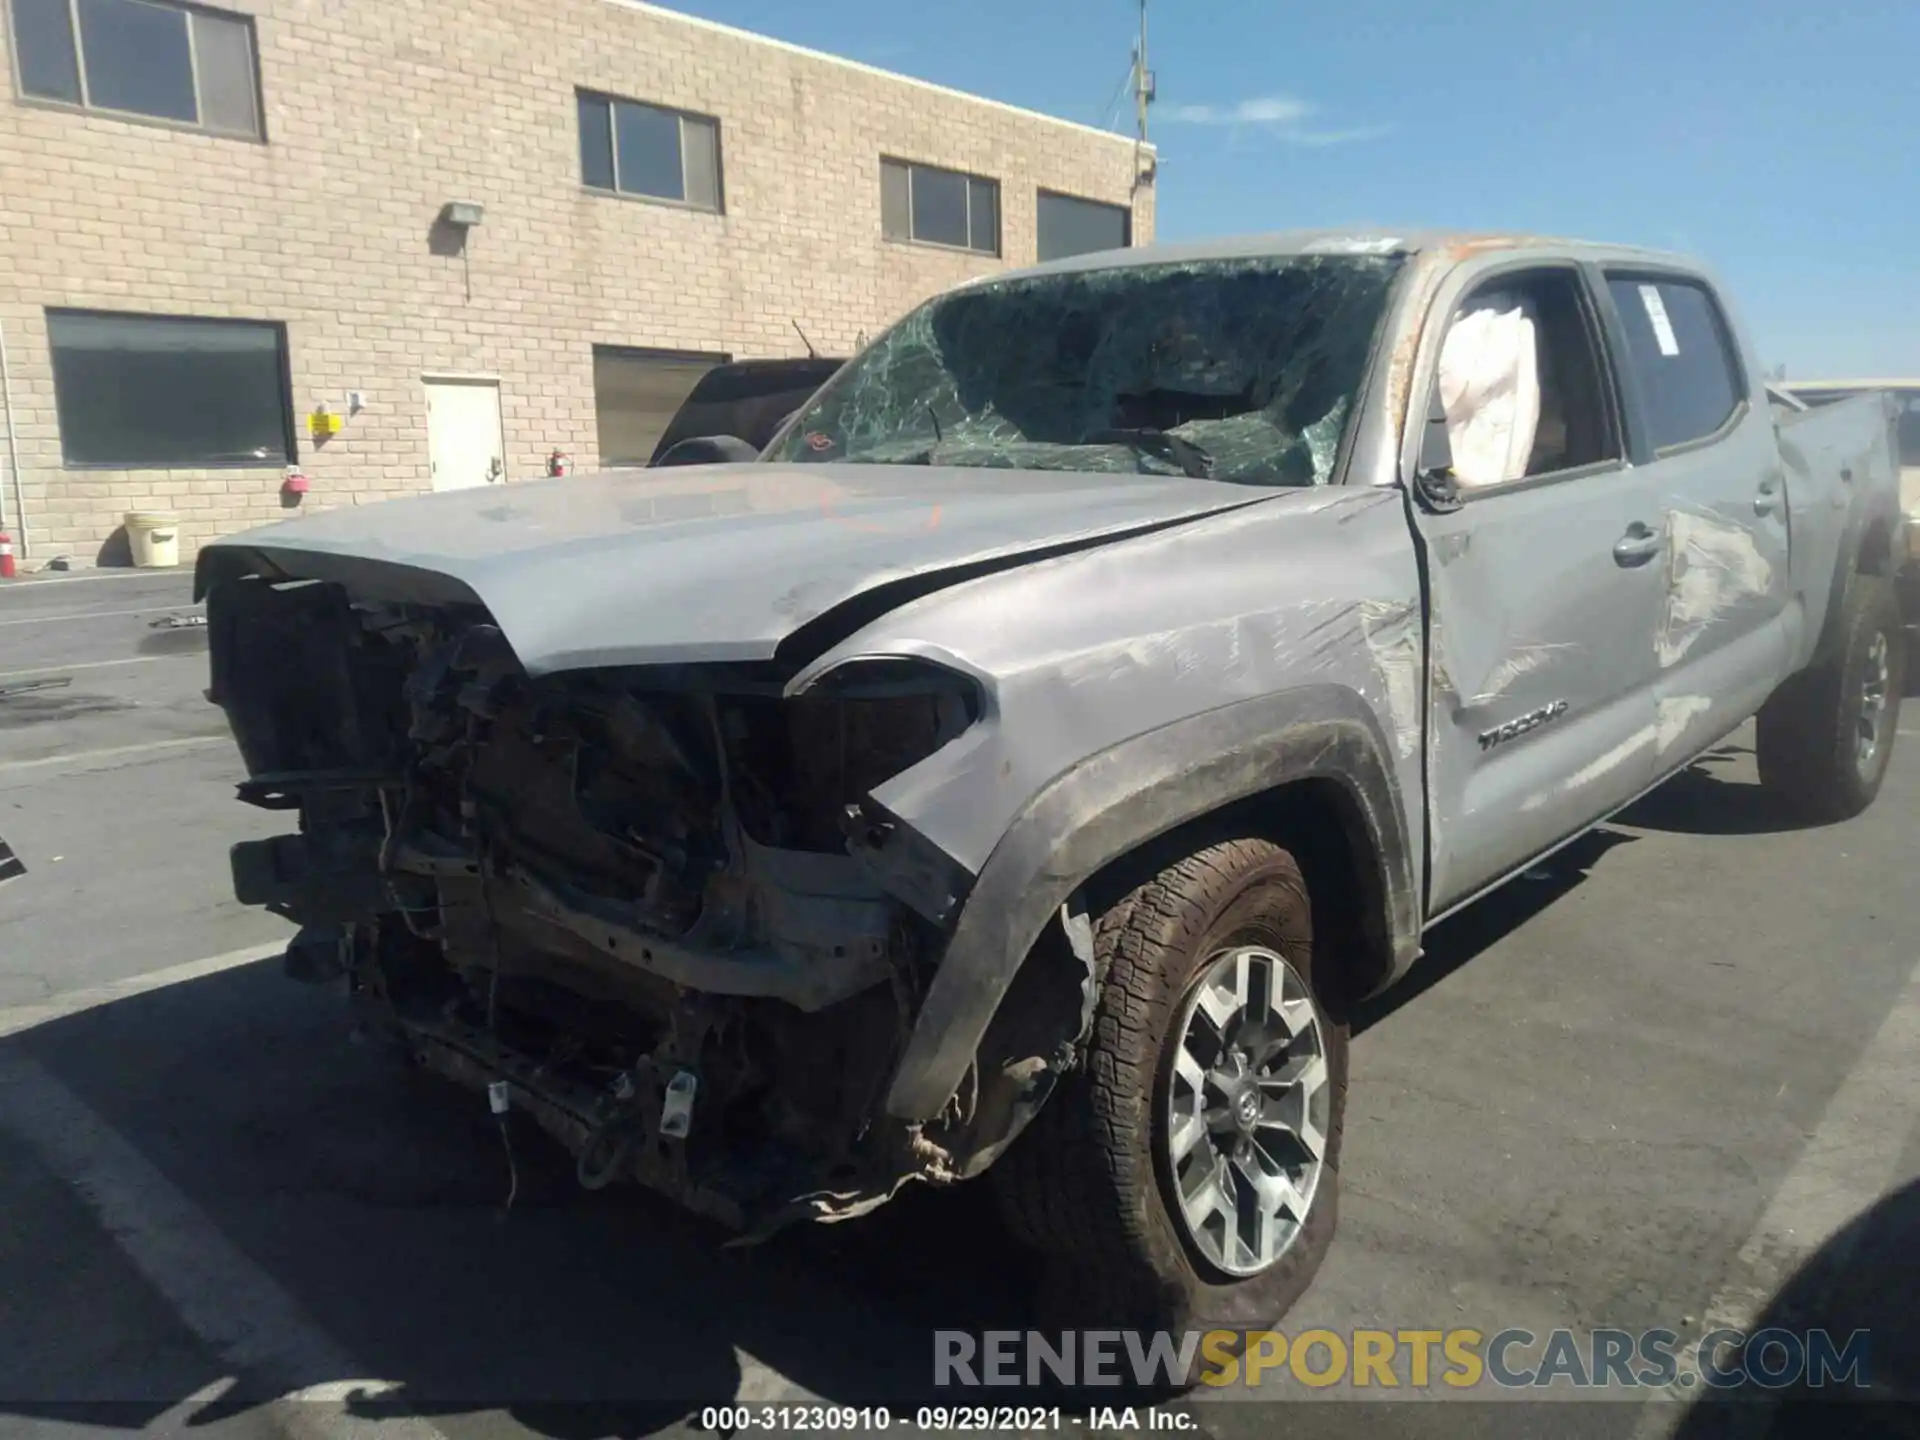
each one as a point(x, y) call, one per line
point(423, 214)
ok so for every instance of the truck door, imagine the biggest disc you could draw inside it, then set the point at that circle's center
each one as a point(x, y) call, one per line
point(1541, 548)
point(1699, 424)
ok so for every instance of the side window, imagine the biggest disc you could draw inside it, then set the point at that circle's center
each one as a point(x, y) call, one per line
point(1678, 346)
point(1908, 429)
point(1520, 382)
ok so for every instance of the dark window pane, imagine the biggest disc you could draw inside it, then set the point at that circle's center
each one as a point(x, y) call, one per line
point(700, 142)
point(896, 221)
point(939, 206)
point(1077, 227)
point(1908, 431)
point(596, 143)
point(750, 401)
point(43, 40)
point(983, 216)
point(647, 150)
point(143, 392)
point(635, 395)
point(137, 58)
point(1677, 346)
point(223, 50)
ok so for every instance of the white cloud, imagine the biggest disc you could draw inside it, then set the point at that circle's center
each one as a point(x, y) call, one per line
point(1263, 110)
point(1318, 139)
point(1282, 116)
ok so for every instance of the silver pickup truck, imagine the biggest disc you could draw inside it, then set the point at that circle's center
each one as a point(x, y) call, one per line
point(1089, 696)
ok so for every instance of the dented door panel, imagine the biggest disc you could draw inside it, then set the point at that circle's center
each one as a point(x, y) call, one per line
point(1544, 597)
point(1541, 701)
point(1726, 626)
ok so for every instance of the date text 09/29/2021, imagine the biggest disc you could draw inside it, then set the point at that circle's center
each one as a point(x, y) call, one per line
point(992, 1419)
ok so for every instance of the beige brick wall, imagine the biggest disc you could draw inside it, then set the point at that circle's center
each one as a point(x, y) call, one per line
point(378, 112)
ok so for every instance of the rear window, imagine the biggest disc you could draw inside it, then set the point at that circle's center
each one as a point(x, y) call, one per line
point(1906, 409)
point(748, 401)
point(1908, 427)
point(1678, 346)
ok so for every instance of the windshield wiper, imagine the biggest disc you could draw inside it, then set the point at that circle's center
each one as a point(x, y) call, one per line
point(1193, 461)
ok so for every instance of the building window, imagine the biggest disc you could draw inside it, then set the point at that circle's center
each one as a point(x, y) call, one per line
point(633, 149)
point(1071, 226)
point(636, 393)
point(175, 63)
point(146, 391)
point(939, 207)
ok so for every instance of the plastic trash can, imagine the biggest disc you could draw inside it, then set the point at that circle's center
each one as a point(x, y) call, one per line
point(154, 538)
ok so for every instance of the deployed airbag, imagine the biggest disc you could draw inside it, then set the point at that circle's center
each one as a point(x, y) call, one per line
point(1490, 386)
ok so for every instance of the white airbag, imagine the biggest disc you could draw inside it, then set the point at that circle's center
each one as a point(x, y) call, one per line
point(1490, 386)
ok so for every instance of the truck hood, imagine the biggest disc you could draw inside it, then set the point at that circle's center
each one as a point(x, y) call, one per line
point(718, 563)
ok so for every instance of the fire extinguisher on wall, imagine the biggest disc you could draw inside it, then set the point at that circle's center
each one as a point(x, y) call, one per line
point(559, 463)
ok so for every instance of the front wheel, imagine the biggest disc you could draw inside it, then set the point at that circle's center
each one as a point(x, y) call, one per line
point(1824, 740)
point(1186, 1177)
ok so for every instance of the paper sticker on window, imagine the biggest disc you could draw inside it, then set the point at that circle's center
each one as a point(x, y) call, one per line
point(1657, 313)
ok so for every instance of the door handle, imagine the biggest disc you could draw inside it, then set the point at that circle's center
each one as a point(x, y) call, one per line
point(1637, 546)
point(1768, 500)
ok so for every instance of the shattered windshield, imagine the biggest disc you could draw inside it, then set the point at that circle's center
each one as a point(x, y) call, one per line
point(1238, 370)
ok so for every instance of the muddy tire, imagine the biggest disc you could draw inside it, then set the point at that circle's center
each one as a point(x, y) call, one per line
point(1824, 739)
point(1095, 1183)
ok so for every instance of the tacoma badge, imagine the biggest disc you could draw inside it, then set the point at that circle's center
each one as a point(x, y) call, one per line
point(1532, 720)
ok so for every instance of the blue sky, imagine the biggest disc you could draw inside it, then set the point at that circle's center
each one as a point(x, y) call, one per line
point(1781, 141)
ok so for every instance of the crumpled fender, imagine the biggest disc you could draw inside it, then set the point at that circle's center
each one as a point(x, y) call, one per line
point(1114, 802)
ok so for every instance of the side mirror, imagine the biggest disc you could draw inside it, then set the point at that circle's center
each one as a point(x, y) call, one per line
point(1434, 483)
point(709, 450)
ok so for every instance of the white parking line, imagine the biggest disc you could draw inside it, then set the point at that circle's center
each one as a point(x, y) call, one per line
point(80, 577)
point(112, 752)
point(87, 665)
point(73, 1002)
point(95, 614)
point(233, 1307)
point(240, 1313)
point(1848, 1163)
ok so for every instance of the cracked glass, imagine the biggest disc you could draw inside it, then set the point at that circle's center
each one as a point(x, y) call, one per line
point(1237, 370)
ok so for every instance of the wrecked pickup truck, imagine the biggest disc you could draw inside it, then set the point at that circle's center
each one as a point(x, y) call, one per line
point(1029, 762)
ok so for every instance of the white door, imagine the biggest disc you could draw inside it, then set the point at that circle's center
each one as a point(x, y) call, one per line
point(464, 441)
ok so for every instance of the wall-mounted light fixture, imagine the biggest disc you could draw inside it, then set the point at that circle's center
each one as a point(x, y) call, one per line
point(464, 213)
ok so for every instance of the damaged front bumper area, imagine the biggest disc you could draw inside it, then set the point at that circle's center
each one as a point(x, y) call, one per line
point(655, 903)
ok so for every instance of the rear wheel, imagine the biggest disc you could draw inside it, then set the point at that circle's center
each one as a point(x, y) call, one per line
point(1824, 739)
point(1186, 1176)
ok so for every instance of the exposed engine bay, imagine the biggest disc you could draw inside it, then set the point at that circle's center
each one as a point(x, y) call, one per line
point(652, 902)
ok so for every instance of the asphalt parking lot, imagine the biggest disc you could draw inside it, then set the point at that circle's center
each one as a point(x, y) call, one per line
point(1672, 1081)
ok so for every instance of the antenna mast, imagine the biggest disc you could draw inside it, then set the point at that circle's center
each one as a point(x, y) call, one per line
point(1143, 96)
